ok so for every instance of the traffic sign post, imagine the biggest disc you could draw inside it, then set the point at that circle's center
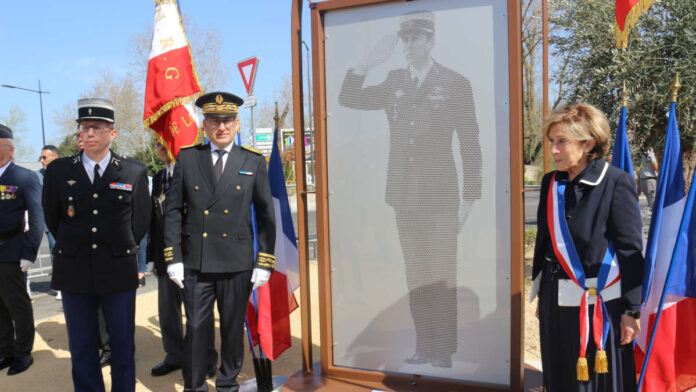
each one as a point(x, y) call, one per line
point(247, 69)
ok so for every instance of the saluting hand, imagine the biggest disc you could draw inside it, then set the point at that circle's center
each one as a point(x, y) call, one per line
point(630, 327)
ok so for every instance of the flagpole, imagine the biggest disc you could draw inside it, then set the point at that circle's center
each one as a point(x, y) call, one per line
point(301, 184)
point(675, 89)
point(545, 75)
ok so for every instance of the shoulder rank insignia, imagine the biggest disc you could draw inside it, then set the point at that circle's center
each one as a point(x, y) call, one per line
point(252, 149)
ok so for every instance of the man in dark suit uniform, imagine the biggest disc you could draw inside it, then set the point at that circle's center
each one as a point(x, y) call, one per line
point(98, 205)
point(20, 191)
point(426, 104)
point(209, 239)
point(169, 295)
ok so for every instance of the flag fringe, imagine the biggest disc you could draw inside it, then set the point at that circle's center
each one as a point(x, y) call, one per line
point(621, 36)
point(583, 370)
point(601, 364)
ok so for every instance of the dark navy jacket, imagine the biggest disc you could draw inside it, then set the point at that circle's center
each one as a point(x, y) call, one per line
point(97, 226)
point(601, 205)
point(20, 191)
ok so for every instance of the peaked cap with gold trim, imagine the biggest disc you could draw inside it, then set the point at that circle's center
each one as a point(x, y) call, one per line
point(219, 104)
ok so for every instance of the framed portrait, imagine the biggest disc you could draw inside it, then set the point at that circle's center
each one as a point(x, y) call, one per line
point(419, 191)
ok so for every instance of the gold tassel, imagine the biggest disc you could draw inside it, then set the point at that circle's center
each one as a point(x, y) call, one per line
point(621, 36)
point(583, 371)
point(601, 365)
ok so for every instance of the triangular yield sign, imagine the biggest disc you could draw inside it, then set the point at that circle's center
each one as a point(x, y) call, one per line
point(247, 68)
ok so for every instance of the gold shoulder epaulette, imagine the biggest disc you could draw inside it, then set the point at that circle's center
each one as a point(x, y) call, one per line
point(252, 149)
point(187, 147)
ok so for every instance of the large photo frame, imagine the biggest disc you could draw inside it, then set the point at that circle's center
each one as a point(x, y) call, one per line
point(419, 192)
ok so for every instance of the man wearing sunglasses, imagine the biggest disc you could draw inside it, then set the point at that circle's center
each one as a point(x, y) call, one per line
point(98, 205)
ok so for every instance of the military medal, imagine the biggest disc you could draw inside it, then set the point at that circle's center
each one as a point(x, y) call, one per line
point(71, 211)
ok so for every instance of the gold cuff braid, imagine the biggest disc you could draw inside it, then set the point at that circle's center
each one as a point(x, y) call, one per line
point(265, 260)
point(169, 254)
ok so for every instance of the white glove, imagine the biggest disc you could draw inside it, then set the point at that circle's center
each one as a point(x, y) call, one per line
point(259, 277)
point(24, 265)
point(150, 266)
point(176, 273)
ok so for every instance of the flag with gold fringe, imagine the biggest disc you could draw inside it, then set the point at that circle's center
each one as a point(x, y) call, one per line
point(171, 82)
point(627, 13)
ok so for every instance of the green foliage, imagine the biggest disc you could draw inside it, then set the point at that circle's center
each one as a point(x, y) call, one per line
point(68, 146)
point(529, 237)
point(662, 44)
point(149, 157)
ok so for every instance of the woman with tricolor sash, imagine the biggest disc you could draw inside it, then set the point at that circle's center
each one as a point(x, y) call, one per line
point(588, 265)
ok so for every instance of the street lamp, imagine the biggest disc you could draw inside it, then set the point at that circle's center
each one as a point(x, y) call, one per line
point(311, 119)
point(39, 91)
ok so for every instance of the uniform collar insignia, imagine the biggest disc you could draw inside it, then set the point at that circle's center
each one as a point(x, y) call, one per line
point(115, 161)
point(71, 182)
point(76, 159)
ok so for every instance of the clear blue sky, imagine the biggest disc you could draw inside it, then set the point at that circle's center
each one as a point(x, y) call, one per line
point(67, 43)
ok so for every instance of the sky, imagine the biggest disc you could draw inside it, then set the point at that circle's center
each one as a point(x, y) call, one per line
point(66, 44)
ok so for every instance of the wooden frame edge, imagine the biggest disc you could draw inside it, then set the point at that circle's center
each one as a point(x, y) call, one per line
point(516, 210)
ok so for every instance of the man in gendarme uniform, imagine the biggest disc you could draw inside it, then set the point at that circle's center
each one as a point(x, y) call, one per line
point(208, 238)
point(98, 206)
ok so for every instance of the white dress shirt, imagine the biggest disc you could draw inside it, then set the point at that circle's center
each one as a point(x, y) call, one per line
point(89, 164)
point(215, 157)
point(2, 169)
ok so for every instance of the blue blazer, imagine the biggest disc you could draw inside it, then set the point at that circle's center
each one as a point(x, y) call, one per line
point(20, 191)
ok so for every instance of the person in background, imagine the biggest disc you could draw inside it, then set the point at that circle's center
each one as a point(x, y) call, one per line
point(48, 153)
point(648, 176)
point(20, 193)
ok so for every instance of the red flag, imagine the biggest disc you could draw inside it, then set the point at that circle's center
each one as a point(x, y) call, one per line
point(171, 81)
point(627, 13)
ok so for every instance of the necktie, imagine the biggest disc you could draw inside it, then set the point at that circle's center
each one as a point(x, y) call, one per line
point(219, 164)
point(97, 177)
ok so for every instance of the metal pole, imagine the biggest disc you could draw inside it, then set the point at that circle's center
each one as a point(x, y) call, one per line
point(253, 129)
point(311, 123)
point(43, 132)
point(545, 72)
point(39, 91)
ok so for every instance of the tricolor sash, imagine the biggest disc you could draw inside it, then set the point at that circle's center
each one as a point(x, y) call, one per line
point(569, 260)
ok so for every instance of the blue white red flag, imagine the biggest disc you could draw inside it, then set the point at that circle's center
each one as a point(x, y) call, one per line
point(671, 365)
point(276, 299)
point(621, 156)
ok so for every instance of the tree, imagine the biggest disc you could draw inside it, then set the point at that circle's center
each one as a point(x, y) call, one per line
point(16, 121)
point(662, 44)
point(531, 106)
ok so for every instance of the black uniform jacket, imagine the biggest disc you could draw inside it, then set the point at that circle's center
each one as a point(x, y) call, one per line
point(155, 244)
point(97, 226)
point(20, 191)
point(601, 205)
point(208, 225)
point(422, 121)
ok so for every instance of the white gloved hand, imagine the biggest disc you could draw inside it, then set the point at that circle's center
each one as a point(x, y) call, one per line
point(150, 266)
point(24, 265)
point(176, 273)
point(259, 277)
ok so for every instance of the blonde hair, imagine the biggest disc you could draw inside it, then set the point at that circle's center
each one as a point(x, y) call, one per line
point(583, 122)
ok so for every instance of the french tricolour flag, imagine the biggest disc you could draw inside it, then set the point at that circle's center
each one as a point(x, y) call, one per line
point(276, 299)
point(671, 359)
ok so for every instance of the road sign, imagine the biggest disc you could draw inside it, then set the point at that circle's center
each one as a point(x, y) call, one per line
point(249, 101)
point(264, 137)
point(247, 68)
